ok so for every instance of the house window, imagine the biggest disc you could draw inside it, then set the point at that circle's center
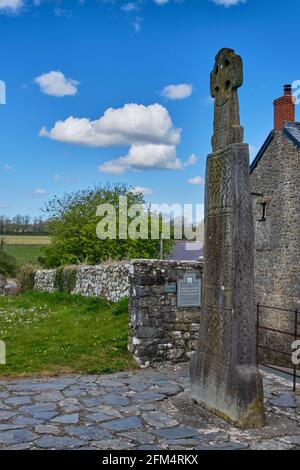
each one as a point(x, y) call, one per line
point(263, 212)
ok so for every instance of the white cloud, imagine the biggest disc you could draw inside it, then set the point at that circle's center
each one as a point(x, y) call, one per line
point(228, 3)
point(54, 83)
point(132, 124)
point(142, 190)
point(40, 191)
point(148, 131)
point(11, 5)
point(8, 167)
point(177, 92)
point(197, 181)
point(145, 157)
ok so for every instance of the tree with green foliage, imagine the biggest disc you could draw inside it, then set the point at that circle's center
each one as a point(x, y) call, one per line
point(72, 223)
point(8, 264)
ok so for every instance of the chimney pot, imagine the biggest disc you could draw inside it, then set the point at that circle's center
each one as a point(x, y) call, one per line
point(288, 90)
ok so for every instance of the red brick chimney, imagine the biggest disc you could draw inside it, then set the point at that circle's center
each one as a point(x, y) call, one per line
point(284, 109)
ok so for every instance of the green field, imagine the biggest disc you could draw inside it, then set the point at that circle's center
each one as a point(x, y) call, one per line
point(25, 248)
point(49, 334)
point(26, 239)
point(24, 254)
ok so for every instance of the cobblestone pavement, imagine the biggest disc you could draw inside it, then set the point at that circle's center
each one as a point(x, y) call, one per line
point(146, 409)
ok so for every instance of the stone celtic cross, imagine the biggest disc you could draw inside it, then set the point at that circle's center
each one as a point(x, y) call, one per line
point(225, 79)
point(224, 376)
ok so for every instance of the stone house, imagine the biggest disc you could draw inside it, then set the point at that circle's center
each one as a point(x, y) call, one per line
point(275, 176)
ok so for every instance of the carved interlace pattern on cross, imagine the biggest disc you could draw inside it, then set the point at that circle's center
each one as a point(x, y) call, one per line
point(219, 185)
point(220, 265)
point(218, 253)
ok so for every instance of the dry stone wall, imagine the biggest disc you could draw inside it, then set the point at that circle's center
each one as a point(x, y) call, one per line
point(44, 280)
point(110, 282)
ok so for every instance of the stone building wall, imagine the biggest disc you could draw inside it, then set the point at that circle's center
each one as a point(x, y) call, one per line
point(158, 329)
point(275, 180)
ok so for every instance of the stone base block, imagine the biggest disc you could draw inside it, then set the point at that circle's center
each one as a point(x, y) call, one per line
point(239, 401)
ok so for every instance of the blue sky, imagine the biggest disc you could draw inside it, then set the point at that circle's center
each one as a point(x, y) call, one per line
point(93, 95)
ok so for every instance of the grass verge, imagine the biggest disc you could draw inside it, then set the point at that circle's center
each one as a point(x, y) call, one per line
point(50, 334)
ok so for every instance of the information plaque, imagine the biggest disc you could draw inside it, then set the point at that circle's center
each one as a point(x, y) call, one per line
point(170, 288)
point(189, 291)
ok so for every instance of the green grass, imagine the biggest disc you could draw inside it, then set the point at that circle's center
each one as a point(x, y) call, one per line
point(25, 248)
point(24, 254)
point(50, 334)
